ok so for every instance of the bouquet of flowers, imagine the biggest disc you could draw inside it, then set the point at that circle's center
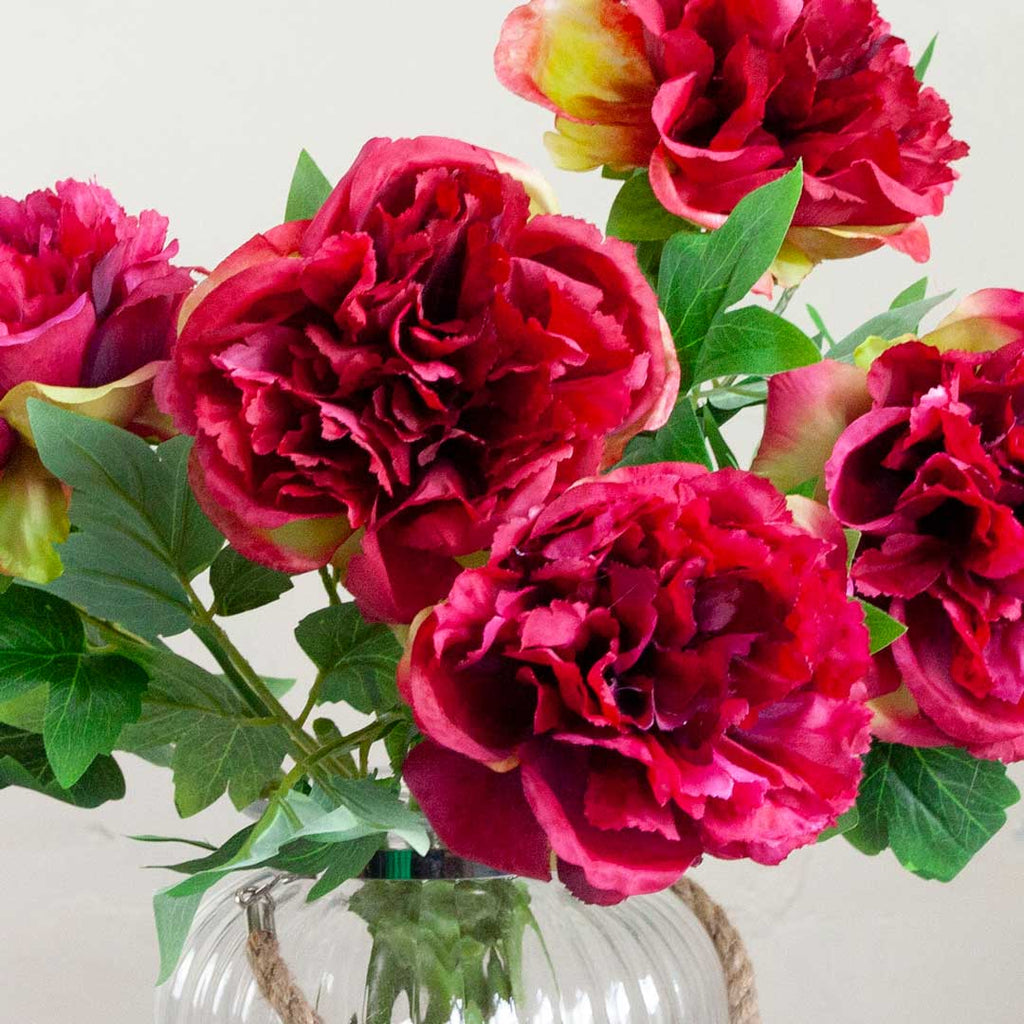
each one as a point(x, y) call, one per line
point(501, 439)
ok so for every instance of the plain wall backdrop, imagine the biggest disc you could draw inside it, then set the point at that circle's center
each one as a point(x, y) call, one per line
point(199, 110)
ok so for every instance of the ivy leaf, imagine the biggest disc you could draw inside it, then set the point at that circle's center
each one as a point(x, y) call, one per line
point(309, 190)
point(679, 440)
point(934, 808)
point(41, 639)
point(217, 745)
point(140, 535)
point(86, 711)
point(89, 696)
point(358, 659)
point(926, 59)
point(23, 763)
point(27, 711)
point(882, 627)
point(702, 275)
point(240, 585)
point(753, 340)
point(889, 325)
point(638, 216)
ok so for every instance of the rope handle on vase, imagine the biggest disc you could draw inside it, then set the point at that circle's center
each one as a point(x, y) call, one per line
point(273, 977)
point(278, 986)
point(739, 971)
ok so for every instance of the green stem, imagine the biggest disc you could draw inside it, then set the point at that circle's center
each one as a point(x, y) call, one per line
point(331, 586)
point(785, 299)
point(312, 700)
point(250, 684)
point(372, 732)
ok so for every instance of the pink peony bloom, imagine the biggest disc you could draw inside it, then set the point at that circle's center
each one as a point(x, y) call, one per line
point(88, 301)
point(661, 664)
point(929, 466)
point(718, 97)
point(422, 361)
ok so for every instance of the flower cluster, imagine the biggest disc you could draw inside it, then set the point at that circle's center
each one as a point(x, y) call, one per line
point(587, 650)
point(929, 468)
point(661, 664)
point(423, 361)
point(717, 97)
point(88, 300)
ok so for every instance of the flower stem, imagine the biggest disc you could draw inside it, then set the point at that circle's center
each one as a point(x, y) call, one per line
point(312, 700)
point(251, 686)
point(785, 299)
point(331, 586)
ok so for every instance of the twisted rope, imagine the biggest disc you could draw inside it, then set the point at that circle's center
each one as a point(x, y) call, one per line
point(278, 986)
point(275, 981)
point(739, 971)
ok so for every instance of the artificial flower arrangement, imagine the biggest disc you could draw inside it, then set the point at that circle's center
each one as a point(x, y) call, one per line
point(499, 438)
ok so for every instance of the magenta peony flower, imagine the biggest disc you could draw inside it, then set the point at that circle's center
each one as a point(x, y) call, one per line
point(88, 300)
point(718, 97)
point(423, 360)
point(930, 468)
point(661, 664)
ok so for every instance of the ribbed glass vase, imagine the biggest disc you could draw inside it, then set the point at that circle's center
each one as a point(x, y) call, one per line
point(450, 950)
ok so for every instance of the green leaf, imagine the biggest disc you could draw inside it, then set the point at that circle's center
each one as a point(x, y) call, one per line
point(889, 325)
point(86, 711)
point(883, 628)
point(648, 256)
point(23, 763)
point(41, 640)
point(935, 808)
point(808, 489)
point(610, 174)
point(703, 275)
point(722, 452)
point(357, 659)
point(741, 394)
point(27, 711)
point(679, 440)
point(223, 755)
point(853, 539)
point(824, 336)
point(346, 860)
point(5, 583)
point(916, 292)
point(140, 535)
point(294, 834)
point(638, 216)
point(90, 696)
point(846, 823)
point(240, 585)
point(926, 59)
point(199, 844)
point(753, 340)
point(219, 856)
point(374, 807)
point(309, 190)
point(174, 916)
point(217, 746)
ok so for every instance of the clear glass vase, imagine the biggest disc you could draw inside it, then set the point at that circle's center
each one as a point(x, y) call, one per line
point(455, 949)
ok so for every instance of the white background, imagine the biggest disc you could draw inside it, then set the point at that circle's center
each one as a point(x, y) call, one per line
point(199, 109)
